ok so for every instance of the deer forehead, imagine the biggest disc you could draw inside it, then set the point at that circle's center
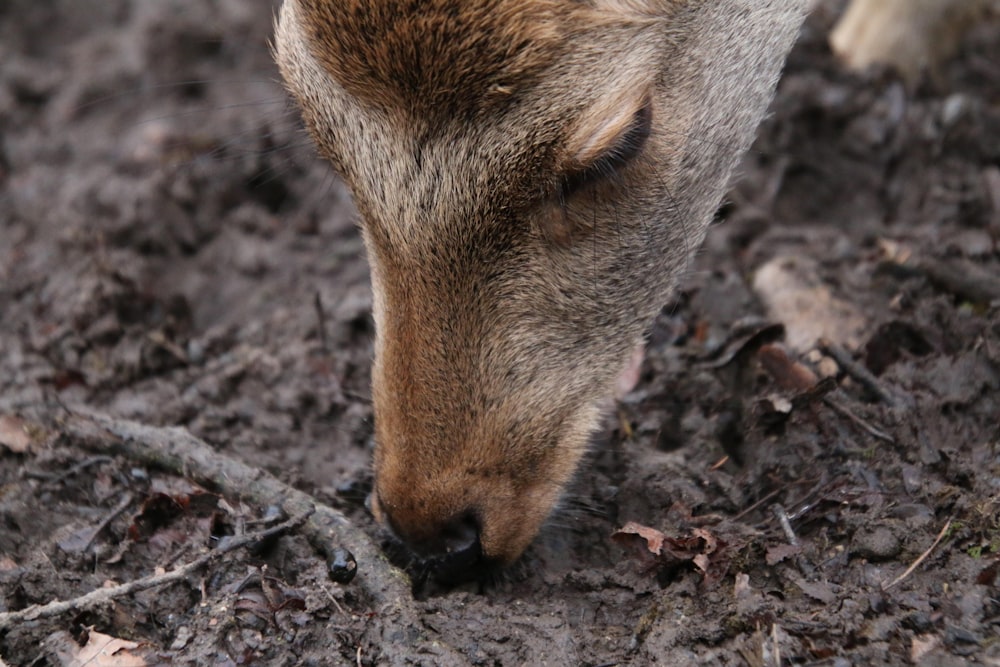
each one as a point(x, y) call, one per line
point(440, 56)
point(450, 104)
point(451, 57)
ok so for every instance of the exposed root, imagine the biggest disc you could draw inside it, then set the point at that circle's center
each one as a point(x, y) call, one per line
point(104, 595)
point(176, 450)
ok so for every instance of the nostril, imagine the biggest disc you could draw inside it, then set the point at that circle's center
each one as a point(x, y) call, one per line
point(460, 553)
point(460, 535)
point(451, 551)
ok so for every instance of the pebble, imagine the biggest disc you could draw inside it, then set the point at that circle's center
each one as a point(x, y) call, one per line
point(877, 543)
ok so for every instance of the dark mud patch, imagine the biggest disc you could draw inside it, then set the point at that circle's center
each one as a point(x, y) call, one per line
point(172, 253)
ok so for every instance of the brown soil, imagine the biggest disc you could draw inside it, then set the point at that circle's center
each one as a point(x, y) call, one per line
point(172, 253)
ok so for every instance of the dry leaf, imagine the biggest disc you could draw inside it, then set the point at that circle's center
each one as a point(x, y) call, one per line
point(100, 651)
point(701, 562)
point(711, 544)
point(788, 373)
point(14, 434)
point(652, 538)
point(79, 540)
point(817, 590)
point(700, 548)
point(921, 646)
point(779, 552)
point(795, 295)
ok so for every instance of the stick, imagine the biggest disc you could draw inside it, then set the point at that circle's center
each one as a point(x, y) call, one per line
point(175, 449)
point(103, 595)
point(861, 423)
point(321, 321)
point(920, 559)
point(965, 281)
point(118, 509)
point(857, 371)
point(786, 524)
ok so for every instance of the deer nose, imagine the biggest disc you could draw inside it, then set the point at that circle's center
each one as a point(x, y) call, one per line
point(459, 535)
point(456, 554)
point(451, 551)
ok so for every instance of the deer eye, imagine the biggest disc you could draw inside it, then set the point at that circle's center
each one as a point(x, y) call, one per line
point(627, 148)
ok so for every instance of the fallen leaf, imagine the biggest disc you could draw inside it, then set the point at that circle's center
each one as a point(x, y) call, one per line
point(989, 574)
point(158, 510)
point(14, 434)
point(744, 340)
point(79, 540)
point(701, 562)
point(100, 651)
point(701, 549)
point(817, 590)
point(633, 533)
point(779, 552)
point(788, 373)
point(795, 295)
point(921, 646)
point(711, 544)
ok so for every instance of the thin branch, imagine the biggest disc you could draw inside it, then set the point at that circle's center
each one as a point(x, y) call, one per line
point(118, 509)
point(857, 371)
point(920, 559)
point(786, 524)
point(386, 588)
point(871, 430)
point(104, 595)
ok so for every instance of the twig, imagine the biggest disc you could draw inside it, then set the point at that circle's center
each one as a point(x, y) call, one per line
point(861, 423)
point(920, 559)
point(321, 320)
point(857, 371)
point(333, 600)
point(963, 280)
point(775, 647)
point(52, 480)
point(721, 462)
point(118, 509)
point(786, 524)
point(103, 595)
point(757, 504)
point(175, 449)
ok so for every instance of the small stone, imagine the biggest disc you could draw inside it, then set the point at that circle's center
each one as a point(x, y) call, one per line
point(182, 638)
point(878, 543)
point(343, 567)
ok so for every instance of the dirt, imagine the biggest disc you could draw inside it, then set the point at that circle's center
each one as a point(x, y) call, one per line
point(173, 253)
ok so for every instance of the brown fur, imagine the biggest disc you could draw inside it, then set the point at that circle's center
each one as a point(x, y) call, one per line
point(506, 302)
point(385, 53)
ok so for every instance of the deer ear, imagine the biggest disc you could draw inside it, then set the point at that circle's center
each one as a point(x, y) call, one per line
point(601, 128)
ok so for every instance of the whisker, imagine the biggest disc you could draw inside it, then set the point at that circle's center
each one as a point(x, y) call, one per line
point(213, 109)
point(139, 90)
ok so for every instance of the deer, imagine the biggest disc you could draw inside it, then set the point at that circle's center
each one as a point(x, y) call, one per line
point(532, 179)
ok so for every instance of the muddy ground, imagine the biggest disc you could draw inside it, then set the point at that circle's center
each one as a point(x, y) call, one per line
point(172, 253)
